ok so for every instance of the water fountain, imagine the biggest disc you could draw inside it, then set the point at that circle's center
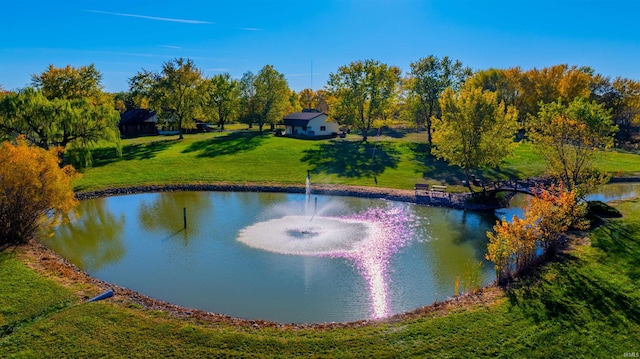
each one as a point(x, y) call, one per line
point(368, 239)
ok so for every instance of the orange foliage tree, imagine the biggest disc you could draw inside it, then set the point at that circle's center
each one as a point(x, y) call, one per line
point(516, 245)
point(34, 190)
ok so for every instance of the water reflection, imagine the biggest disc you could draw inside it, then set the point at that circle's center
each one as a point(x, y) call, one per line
point(166, 213)
point(93, 236)
point(606, 193)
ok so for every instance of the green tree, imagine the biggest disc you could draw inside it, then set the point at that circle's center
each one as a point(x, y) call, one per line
point(271, 96)
point(222, 98)
point(364, 91)
point(70, 83)
point(248, 100)
point(75, 123)
point(34, 190)
point(294, 103)
point(174, 92)
point(475, 130)
point(429, 77)
point(569, 136)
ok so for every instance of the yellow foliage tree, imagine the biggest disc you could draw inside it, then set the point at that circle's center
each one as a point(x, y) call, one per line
point(516, 245)
point(34, 190)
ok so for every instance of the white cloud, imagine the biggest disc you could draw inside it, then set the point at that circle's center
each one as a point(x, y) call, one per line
point(184, 21)
point(170, 47)
point(251, 29)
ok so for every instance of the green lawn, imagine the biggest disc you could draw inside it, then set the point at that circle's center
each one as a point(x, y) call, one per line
point(397, 160)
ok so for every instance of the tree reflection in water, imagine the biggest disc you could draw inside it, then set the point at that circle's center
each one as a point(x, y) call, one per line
point(92, 238)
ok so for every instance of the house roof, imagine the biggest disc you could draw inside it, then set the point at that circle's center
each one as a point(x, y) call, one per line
point(136, 116)
point(302, 118)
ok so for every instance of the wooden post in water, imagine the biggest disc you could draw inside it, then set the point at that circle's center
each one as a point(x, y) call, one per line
point(184, 216)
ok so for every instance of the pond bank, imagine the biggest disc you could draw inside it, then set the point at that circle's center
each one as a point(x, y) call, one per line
point(449, 200)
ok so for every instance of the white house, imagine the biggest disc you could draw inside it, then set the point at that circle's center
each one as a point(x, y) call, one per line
point(309, 123)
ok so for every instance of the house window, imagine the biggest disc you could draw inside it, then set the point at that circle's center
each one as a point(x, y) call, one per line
point(323, 128)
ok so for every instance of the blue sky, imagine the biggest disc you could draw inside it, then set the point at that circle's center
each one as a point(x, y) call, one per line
point(307, 36)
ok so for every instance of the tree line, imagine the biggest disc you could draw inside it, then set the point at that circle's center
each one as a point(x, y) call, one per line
point(67, 106)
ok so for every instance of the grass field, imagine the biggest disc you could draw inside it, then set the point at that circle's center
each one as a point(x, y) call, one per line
point(397, 160)
point(584, 304)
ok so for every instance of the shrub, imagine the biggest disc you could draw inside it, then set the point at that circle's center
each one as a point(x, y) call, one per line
point(34, 190)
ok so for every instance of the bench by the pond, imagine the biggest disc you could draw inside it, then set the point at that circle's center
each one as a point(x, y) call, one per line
point(423, 189)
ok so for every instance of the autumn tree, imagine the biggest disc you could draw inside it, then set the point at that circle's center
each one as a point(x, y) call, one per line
point(506, 85)
point(549, 84)
point(475, 130)
point(173, 92)
point(222, 98)
point(34, 190)
point(364, 91)
point(323, 101)
point(317, 100)
point(307, 98)
point(70, 83)
point(569, 136)
point(514, 245)
point(428, 79)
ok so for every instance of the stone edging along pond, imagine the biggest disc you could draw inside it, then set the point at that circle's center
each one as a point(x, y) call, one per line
point(450, 200)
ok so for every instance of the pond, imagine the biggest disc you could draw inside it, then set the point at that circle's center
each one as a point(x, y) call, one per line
point(287, 258)
point(281, 257)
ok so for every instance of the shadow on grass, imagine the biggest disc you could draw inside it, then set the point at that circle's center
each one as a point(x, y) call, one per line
point(139, 151)
point(620, 241)
point(440, 170)
point(230, 144)
point(351, 159)
point(577, 291)
point(395, 132)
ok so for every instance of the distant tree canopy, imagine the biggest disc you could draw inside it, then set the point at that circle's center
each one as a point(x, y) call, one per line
point(34, 190)
point(364, 92)
point(222, 99)
point(428, 79)
point(174, 92)
point(67, 109)
point(70, 83)
point(265, 97)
